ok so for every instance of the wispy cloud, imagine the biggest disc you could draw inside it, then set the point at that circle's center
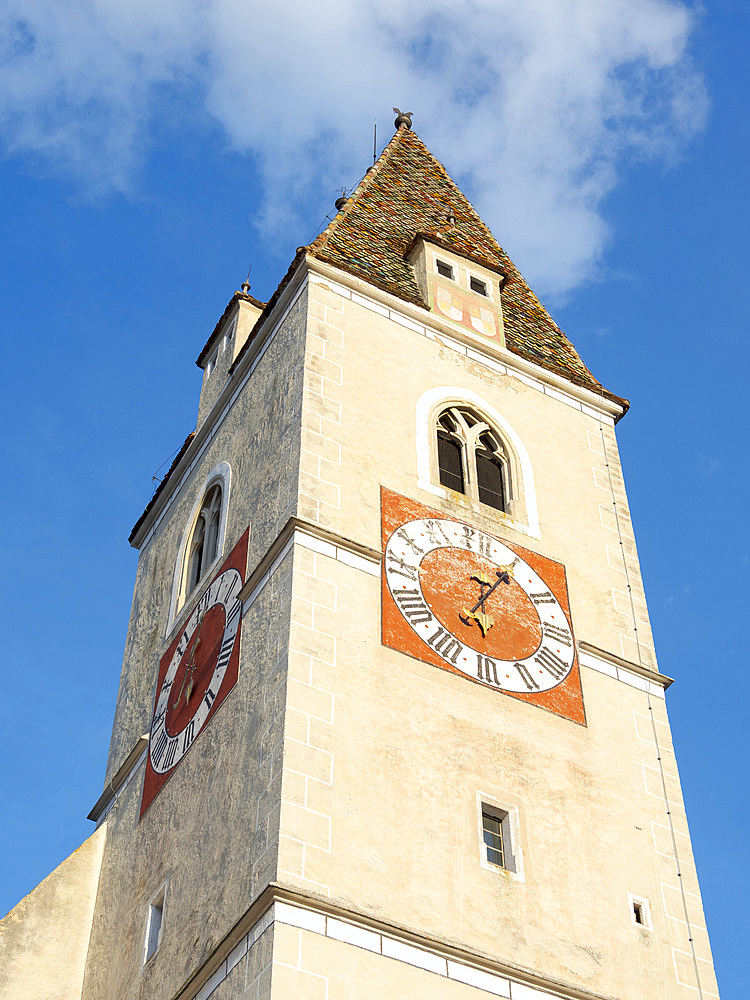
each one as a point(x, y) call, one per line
point(535, 107)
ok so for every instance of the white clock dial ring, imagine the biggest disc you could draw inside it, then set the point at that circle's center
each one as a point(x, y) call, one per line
point(545, 668)
point(166, 749)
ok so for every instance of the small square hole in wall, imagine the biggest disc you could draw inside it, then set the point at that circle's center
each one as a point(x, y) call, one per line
point(154, 924)
point(480, 287)
point(444, 269)
point(640, 911)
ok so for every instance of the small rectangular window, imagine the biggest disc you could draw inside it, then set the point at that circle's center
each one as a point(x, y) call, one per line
point(640, 912)
point(445, 269)
point(480, 287)
point(497, 840)
point(154, 923)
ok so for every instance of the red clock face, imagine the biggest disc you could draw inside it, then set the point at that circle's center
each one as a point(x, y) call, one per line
point(478, 606)
point(196, 673)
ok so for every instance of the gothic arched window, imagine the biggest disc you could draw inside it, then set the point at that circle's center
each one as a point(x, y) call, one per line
point(203, 545)
point(472, 458)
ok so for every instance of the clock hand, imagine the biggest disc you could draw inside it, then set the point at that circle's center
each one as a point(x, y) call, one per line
point(486, 621)
point(190, 668)
point(503, 577)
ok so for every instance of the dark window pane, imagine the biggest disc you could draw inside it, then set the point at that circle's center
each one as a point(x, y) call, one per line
point(490, 480)
point(449, 463)
point(493, 838)
point(445, 269)
point(478, 286)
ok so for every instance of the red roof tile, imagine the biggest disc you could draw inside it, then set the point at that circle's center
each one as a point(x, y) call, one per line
point(408, 193)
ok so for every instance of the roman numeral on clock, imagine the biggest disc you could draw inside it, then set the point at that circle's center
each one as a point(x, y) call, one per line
point(413, 607)
point(232, 613)
point(170, 754)
point(433, 527)
point(543, 597)
point(526, 677)
point(484, 663)
point(401, 533)
point(444, 644)
point(158, 751)
point(188, 735)
point(561, 635)
point(209, 697)
point(551, 663)
point(225, 652)
point(400, 567)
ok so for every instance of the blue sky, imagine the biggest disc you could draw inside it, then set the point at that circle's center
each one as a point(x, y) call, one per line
point(150, 158)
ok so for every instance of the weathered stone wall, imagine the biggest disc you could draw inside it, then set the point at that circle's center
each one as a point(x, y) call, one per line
point(211, 833)
point(260, 439)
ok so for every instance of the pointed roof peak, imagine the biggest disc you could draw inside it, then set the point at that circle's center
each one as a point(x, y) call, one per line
point(407, 195)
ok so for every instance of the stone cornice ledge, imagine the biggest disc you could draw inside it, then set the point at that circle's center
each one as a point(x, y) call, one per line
point(312, 530)
point(314, 914)
point(634, 668)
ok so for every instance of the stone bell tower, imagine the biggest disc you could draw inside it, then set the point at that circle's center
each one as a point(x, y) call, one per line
point(390, 720)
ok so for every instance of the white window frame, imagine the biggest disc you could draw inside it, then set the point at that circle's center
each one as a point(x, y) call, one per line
point(508, 814)
point(157, 904)
point(445, 263)
point(430, 405)
point(645, 909)
point(488, 285)
point(220, 475)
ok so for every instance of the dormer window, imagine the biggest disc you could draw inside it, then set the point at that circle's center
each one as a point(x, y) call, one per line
point(443, 269)
point(480, 287)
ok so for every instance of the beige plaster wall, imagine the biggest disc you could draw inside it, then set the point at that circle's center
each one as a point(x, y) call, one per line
point(364, 377)
point(386, 757)
point(44, 939)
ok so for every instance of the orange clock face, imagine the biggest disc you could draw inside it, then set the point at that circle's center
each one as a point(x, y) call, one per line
point(475, 605)
point(196, 673)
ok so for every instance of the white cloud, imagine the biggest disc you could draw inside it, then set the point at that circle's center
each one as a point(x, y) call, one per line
point(534, 107)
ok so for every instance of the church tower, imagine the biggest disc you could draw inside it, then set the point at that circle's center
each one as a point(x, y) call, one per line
point(390, 721)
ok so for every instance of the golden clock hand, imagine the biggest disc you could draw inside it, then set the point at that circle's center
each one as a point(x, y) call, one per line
point(503, 577)
point(484, 620)
point(190, 665)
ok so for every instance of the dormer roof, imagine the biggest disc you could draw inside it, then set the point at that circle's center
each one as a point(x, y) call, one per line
point(408, 194)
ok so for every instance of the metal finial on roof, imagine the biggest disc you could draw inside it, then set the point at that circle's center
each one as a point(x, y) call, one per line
point(451, 217)
point(341, 200)
point(404, 118)
point(245, 286)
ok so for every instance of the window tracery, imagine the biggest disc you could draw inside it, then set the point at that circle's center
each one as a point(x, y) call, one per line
point(203, 546)
point(472, 458)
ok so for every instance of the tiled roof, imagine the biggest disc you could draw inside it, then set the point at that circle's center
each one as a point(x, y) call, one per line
point(405, 196)
point(407, 193)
